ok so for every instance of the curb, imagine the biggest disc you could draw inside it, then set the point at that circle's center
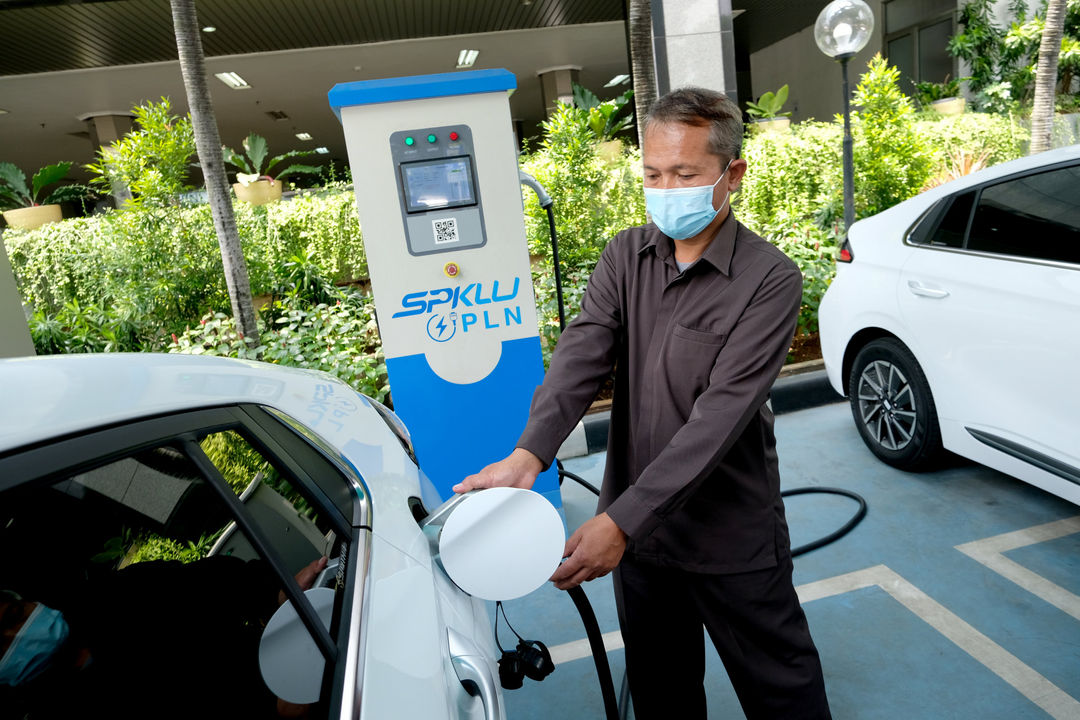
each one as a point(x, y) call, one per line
point(791, 393)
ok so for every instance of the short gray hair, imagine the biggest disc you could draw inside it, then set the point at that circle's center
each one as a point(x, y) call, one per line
point(701, 107)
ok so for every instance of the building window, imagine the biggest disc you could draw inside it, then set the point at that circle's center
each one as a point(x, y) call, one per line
point(917, 34)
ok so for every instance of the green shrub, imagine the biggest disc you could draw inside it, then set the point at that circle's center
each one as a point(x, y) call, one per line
point(597, 191)
point(892, 160)
point(140, 275)
point(971, 133)
point(341, 339)
point(152, 160)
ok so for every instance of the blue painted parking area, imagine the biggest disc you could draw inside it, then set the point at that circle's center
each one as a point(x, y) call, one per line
point(958, 596)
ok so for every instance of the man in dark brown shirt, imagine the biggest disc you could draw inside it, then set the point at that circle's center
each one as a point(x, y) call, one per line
point(695, 313)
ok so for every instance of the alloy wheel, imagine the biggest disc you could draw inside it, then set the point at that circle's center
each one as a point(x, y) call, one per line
point(887, 405)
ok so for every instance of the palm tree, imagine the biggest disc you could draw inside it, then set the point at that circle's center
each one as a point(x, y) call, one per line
point(640, 41)
point(1042, 110)
point(208, 144)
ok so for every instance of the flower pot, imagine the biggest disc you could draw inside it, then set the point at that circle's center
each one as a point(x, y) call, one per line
point(259, 192)
point(33, 217)
point(776, 124)
point(949, 106)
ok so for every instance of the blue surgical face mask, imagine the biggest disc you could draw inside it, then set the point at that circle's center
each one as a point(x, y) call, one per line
point(682, 213)
point(34, 646)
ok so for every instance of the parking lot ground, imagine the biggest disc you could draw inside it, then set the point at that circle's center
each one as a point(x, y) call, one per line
point(958, 596)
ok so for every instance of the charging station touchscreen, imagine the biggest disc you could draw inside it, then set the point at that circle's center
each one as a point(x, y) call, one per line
point(434, 165)
point(433, 184)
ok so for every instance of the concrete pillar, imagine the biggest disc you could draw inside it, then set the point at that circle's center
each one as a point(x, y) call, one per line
point(105, 129)
point(14, 332)
point(694, 44)
point(556, 85)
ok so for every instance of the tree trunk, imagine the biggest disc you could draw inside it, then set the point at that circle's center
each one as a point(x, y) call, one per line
point(1042, 110)
point(208, 144)
point(640, 41)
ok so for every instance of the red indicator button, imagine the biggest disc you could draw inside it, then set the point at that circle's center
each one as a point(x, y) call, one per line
point(454, 136)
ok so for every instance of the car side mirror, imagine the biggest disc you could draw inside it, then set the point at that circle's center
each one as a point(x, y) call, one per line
point(289, 660)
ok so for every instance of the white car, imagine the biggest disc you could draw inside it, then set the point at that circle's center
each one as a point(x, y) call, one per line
point(250, 473)
point(954, 322)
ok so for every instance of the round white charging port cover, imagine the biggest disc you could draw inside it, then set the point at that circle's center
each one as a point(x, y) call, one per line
point(502, 543)
point(289, 659)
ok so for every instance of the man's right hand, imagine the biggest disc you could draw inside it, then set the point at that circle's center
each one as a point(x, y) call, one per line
point(518, 469)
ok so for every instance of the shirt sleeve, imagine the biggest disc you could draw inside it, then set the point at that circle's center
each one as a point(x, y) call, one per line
point(583, 359)
point(739, 383)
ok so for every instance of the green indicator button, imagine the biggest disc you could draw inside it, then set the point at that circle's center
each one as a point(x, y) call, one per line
point(431, 138)
point(409, 141)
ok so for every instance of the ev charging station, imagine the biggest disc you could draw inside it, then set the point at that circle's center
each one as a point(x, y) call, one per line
point(434, 166)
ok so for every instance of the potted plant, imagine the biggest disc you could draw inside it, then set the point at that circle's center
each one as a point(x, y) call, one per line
point(26, 207)
point(606, 119)
point(254, 183)
point(766, 111)
point(943, 97)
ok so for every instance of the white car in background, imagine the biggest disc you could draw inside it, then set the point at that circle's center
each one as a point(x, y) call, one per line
point(255, 471)
point(954, 322)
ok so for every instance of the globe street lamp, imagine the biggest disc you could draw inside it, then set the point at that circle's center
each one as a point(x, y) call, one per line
point(842, 29)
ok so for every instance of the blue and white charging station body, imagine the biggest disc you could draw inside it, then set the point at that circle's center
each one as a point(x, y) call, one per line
point(434, 167)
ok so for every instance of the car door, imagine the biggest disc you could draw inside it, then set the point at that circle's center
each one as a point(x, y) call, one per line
point(171, 545)
point(992, 295)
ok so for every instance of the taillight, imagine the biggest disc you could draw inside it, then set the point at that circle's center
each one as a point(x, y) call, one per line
point(845, 255)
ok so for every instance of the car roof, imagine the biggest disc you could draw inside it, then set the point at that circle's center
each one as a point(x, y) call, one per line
point(53, 396)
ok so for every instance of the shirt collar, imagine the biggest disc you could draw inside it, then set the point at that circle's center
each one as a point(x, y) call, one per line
point(717, 253)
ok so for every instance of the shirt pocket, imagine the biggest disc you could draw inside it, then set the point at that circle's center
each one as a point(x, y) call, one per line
point(703, 337)
point(690, 357)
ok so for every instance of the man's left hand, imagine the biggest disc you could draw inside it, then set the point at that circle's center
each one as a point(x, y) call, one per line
point(592, 551)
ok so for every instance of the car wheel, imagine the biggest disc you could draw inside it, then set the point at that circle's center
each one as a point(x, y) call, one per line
point(893, 407)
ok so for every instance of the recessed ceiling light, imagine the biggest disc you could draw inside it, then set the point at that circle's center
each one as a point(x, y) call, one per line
point(233, 80)
point(618, 80)
point(209, 29)
point(303, 136)
point(467, 58)
point(358, 68)
point(322, 151)
point(3, 111)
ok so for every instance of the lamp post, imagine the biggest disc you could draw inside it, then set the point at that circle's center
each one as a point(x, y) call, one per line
point(842, 29)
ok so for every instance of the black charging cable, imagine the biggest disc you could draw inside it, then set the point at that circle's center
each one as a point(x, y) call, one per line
point(546, 202)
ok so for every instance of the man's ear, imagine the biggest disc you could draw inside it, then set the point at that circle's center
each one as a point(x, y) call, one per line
point(735, 174)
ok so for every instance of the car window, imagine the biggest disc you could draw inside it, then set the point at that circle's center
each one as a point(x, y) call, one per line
point(165, 594)
point(1035, 216)
point(950, 231)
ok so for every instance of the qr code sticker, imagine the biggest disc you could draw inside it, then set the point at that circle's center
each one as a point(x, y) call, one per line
point(445, 230)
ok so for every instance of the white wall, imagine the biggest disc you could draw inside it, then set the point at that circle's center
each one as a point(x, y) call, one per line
point(813, 79)
point(14, 333)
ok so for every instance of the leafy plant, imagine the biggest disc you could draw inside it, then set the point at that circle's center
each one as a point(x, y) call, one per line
point(1002, 60)
point(930, 92)
point(341, 339)
point(254, 157)
point(892, 160)
point(768, 105)
point(595, 198)
point(15, 193)
point(152, 161)
point(605, 118)
point(961, 163)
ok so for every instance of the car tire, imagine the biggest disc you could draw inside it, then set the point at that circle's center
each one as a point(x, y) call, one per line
point(893, 407)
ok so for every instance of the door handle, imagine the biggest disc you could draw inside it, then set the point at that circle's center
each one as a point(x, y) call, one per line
point(474, 673)
point(917, 288)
